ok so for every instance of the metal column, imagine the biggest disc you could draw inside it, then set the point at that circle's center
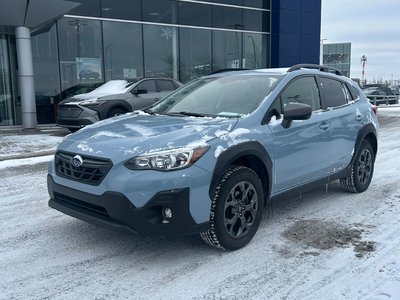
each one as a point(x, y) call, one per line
point(26, 83)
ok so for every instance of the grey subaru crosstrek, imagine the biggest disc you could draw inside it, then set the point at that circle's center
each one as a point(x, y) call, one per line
point(207, 158)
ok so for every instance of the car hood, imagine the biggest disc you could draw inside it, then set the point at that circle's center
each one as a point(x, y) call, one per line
point(91, 97)
point(132, 134)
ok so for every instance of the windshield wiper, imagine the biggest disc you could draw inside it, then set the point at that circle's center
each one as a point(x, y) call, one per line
point(148, 111)
point(188, 113)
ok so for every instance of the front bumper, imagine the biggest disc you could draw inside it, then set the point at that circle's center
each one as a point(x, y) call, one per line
point(114, 210)
point(76, 116)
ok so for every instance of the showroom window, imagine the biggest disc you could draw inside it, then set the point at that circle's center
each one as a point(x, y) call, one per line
point(160, 51)
point(122, 47)
point(195, 53)
point(80, 50)
point(227, 51)
point(255, 50)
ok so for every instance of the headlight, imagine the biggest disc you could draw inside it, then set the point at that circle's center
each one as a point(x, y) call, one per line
point(92, 103)
point(167, 160)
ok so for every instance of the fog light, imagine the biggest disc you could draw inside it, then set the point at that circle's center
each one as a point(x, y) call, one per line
point(167, 213)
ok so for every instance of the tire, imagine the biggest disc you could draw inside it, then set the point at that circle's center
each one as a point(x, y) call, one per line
point(73, 129)
point(115, 112)
point(361, 170)
point(235, 216)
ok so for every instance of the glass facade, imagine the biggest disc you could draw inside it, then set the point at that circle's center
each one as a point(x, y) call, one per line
point(338, 56)
point(7, 103)
point(105, 39)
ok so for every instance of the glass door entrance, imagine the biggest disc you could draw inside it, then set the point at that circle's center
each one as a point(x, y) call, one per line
point(6, 97)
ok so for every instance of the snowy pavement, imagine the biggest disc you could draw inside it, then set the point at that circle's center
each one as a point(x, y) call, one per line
point(14, 145)
point(47, 255)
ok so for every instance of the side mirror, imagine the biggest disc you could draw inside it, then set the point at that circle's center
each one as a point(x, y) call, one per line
point(140, 91)
point(295, 111)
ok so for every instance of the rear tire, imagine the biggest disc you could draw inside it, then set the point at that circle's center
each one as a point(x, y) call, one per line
point(361, 170)
point(236, 209)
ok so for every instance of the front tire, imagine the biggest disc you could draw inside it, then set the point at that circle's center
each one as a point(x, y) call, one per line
point(236, 209)
point(115, 112)
point(361, 170)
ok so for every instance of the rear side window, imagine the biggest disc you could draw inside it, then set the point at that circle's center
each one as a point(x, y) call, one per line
point(333, 92)
point(165, 85)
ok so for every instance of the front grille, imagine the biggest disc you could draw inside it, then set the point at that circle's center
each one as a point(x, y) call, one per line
point(69, 111)
point(92, 171)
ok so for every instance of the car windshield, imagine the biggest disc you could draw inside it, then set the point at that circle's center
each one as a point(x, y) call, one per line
point(228, 96)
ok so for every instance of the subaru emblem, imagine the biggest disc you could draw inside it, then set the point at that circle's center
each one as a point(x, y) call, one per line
point(77, 161)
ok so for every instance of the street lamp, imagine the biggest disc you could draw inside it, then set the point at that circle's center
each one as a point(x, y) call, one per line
point(321, 51)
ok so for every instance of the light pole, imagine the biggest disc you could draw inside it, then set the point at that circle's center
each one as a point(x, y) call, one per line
point(321, 51)
point(363, 61)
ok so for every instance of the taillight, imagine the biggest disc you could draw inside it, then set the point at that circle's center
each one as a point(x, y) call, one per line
point(374, 109)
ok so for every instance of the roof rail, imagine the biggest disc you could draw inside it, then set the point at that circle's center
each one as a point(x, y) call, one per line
point(316, 67)
point(227, 70)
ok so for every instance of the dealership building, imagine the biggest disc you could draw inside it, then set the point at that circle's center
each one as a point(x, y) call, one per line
point(52, 49)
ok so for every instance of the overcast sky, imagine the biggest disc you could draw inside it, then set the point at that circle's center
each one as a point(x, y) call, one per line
point(372, 28)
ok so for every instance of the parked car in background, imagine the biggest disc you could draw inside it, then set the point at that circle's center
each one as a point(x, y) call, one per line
point(395, 89)
point(380, 95)
point(89, 74)
point(115, 97)
point(208, 157)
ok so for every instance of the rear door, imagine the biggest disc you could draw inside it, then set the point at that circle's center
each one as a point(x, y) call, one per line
point(165, 87)
point(344, 120)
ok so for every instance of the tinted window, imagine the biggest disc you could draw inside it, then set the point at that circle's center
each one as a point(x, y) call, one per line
point(194, 14)
point(129, 10)
point(333, 92)
point(148, 85)
point(347, 93)
point(302, 90)
point(165, 85)
point(159, 11)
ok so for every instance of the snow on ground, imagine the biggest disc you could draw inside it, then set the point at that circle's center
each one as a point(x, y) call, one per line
point(47, 255)
point(17, 145)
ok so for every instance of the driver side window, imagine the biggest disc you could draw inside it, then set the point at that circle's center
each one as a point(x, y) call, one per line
point(302, 90)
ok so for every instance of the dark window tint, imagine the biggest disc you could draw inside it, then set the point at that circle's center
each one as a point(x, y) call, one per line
point(148, 85)
point(129, 10)
point(226, 17)
point(194, 14)
point(159, 11)
point(333, 92)
point(165, 85)
point(87, 8)
point(302, 90)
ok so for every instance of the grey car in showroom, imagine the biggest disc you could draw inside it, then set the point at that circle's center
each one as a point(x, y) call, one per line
point(113, 98)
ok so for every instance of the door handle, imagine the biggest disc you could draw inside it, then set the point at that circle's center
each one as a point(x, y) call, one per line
point(359, 116)
point(324, 125)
